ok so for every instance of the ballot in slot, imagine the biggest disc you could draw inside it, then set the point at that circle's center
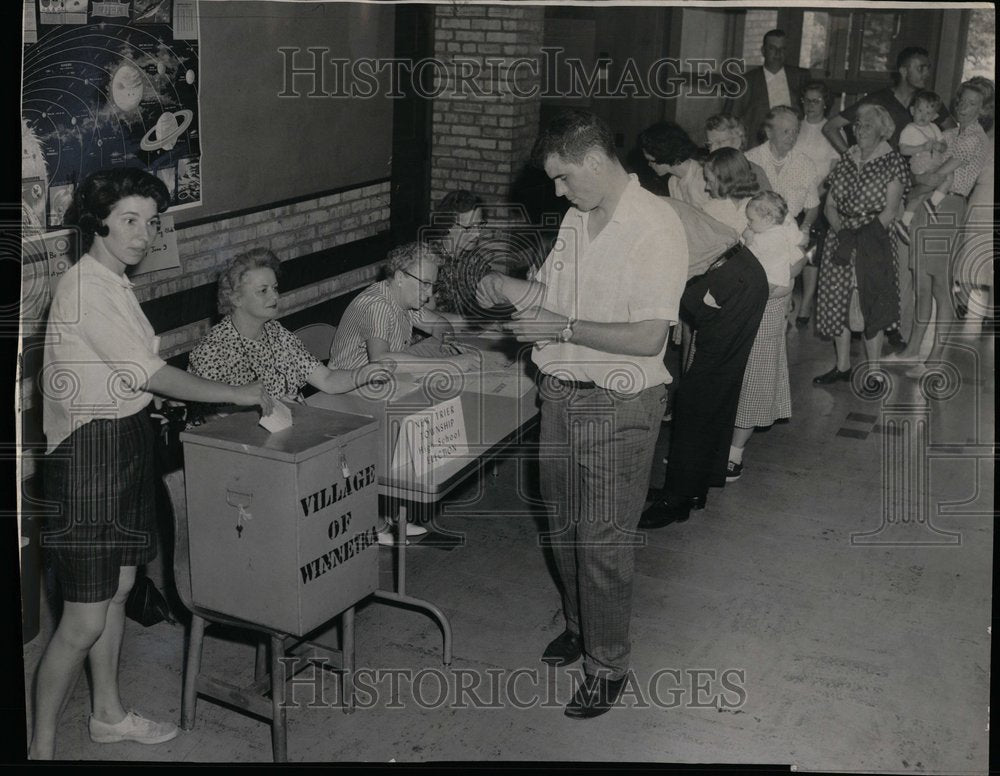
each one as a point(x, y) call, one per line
point(283, 526)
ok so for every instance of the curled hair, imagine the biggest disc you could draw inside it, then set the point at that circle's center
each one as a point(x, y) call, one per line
point(881, 116)
point(232, 275)
point(97, 195)
point(927, 97)
point(722, 122)
point(984, 88)
point(781, 110)
point(406, 255)
point(667, 143)
point(452, 205)
point(570, 135)
point(733, 174)
point(770, 204)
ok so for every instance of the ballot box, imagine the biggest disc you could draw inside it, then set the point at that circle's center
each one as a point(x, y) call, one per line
point(283, 527)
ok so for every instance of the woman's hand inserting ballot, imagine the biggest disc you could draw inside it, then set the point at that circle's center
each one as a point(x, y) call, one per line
point(253, 394)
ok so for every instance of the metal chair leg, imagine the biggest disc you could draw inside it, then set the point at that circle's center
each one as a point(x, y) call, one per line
point(189, 697)
point(279, 729)
point(347, 659)
point(260, 661)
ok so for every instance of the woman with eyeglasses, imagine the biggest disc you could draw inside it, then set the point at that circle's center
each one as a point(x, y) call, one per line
point(859, 255)
point(249, 345)
point(814, 144)
point(378, 324)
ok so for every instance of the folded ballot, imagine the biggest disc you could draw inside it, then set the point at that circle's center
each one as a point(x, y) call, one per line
point(279, 419)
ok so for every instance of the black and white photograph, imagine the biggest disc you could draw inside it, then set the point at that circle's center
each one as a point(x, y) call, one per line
point(542, 384)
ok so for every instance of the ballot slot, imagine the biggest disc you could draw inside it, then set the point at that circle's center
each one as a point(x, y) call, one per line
point(279, 534)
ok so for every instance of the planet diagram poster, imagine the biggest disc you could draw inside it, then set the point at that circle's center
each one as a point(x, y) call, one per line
point(108, 84)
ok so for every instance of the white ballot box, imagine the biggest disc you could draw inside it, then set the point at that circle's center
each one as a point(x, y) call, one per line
point(282, 527)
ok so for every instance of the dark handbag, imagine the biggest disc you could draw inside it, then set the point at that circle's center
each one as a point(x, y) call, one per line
point(146, 604)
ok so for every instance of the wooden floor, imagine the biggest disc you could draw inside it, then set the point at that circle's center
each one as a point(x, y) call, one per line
point(830, 610)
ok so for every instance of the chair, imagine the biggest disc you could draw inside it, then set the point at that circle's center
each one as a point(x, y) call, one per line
point(250, 698)
point(317, 337)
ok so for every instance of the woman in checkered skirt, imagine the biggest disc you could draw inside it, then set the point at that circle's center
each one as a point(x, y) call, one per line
point(765, 396)
point(101, 368)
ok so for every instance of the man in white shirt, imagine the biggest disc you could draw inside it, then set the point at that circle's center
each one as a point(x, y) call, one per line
point(598, 312)
point(768, 86)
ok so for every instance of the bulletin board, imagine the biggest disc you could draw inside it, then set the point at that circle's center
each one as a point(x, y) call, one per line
point(260, 147)
point(108, 84)
point(199, 93)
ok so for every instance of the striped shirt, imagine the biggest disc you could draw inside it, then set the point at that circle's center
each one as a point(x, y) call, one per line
point(372, 314)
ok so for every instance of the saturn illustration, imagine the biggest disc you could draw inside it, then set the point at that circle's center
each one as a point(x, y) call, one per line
point(168, 128)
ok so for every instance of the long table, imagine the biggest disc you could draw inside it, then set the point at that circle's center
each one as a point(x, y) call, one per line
point(499, 403)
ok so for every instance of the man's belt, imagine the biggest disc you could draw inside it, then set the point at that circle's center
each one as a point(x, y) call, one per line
point(726, 256)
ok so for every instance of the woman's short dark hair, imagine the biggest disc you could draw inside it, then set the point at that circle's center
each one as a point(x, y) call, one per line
point(667, 143)
point(452, 205)
point(96, 196)
point(733, 174)
point(232, 275)
point(822, 88)
point(570, 135)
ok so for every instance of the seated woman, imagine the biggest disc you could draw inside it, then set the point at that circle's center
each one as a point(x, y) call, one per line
point(668, 149)
point(378, 324)
point(724, 131)
point(248, 345)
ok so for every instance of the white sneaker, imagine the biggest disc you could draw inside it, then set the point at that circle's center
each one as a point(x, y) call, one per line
point(133, 728)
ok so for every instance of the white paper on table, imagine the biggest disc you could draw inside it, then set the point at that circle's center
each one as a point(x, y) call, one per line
point(279, 419)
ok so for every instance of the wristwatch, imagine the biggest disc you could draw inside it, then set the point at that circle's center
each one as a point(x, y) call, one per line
point(566, 334)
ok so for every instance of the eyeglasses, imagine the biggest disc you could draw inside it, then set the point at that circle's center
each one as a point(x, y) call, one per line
point(423, 283)
point(813, 100)
point(476, 225)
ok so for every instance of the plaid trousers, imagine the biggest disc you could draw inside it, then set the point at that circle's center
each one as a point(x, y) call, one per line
point(596, 453)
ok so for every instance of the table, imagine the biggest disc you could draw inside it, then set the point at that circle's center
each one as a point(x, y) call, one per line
point(499, 402)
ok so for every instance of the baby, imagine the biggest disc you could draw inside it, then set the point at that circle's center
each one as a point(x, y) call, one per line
point(922, 141)
point(774, 238)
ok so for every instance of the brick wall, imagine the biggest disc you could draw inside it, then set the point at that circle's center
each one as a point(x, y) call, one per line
point(756, 24)
point(290, 231)
point(481, 142)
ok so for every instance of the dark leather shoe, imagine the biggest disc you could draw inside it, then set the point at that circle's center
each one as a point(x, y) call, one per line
point(833, 376)
point(669, 509)
point(594, 697)
point(564, 649)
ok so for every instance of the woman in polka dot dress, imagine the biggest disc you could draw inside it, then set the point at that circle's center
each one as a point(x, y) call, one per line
point(868, 183)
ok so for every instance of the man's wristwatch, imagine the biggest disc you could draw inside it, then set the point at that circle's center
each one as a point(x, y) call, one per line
point(567, 334)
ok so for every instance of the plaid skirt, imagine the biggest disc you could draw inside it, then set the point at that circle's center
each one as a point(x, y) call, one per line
point(766, 395)
point(99, 482)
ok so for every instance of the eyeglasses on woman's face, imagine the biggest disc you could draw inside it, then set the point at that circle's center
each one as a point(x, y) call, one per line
point(426, 284)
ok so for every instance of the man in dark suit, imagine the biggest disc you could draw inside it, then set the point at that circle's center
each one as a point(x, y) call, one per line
point(772, 84)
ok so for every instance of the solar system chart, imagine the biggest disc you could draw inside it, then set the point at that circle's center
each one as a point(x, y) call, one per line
point(113, 84)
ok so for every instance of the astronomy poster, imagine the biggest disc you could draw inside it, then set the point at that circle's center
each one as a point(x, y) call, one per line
point(108, 84)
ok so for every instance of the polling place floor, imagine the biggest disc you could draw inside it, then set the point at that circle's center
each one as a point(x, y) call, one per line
point(829, 610)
